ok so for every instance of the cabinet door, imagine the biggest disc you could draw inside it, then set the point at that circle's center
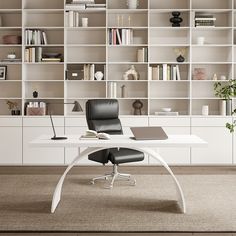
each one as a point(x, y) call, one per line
point(71, 153)
point(42, 156)
point(175, 156)
point(11, 145)
point(219, 150)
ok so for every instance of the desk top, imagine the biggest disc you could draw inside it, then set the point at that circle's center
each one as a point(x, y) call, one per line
point(120, 141)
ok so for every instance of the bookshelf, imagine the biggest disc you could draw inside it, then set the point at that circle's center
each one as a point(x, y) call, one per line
point(147, 27)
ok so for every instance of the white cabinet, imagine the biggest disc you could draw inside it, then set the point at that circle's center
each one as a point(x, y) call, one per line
point(219, 150)
point(11, 141)
point(34, 127)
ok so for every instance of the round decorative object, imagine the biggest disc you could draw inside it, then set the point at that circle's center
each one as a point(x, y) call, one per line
point(180, 58)
point(35, 94)
point(137, 105)
point(98, 75)
point(176, 19)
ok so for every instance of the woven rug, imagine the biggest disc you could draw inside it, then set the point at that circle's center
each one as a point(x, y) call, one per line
point(151, 205)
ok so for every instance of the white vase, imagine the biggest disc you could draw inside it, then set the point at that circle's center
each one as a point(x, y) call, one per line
point(223, 107)
point(98, 75)
point(132, 4)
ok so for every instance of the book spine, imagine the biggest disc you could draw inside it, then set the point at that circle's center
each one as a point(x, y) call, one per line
point(177, 73)
point(91, 72)
point(154, 73)
point(164, 71)
point(71, 19)
point(150, 76)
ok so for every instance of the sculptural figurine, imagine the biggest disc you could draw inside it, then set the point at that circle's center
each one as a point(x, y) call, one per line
point(137, 105)
point(131, 74)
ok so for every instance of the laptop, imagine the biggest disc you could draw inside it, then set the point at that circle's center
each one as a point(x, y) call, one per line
point(149, 133)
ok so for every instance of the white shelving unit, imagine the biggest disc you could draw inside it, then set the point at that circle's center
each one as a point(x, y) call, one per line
point(90, 45)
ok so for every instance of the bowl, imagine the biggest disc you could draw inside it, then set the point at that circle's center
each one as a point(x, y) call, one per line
point(166, 109)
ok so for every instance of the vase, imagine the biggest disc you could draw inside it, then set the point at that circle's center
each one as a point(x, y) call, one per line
point(98, 75)
point(176, 19)
point(222, 107)
point(132, 4)
point(35, 94)
point(229, 107)
point(137, 105)
point(180, 58)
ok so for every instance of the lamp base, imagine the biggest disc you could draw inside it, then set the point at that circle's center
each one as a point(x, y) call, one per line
point(58, 138)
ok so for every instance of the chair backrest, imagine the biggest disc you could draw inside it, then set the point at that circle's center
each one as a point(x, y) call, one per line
point(102, 115)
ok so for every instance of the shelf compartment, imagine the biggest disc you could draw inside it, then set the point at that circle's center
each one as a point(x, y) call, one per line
point(164, 36)
point(162, 19)
point(80, 36)
point(126, 106)
point(14, 72)
point(160, 54)
point(214, 54)
point(5, 32)
point(223, 18)
point(86, 54)
point(13, 4)
point(168, 89)
point(122, 4)
point(169, 4)
point(183, 69)
point(123, 54)
point(83, 89)
point(8, 90)
point(95, 19)
point(11, 19)
point(203, 90)
point(44, 4)
point(44, 19)
point(45, 90)
point(177, 105)
point(132, 90)
point(54, 36)
point(4, 51)
point(53, 106)
point(213, 36)
point(214, 106)
point(132, 19)
point(211, 69)
point(116, 71)
point(4, 107)
point(44, 72)
point(211, 4)
point(79, 68)
point(140, 37)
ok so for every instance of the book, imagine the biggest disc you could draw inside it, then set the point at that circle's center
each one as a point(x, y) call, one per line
point(164, 113)
point(164, 72)
point(155, 73)
point(177, 73)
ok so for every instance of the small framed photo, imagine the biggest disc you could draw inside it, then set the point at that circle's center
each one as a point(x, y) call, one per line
point(3, 72)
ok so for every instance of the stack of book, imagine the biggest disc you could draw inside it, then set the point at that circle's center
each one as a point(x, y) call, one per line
point(120, 36)
point(142, 55)
point(204, 20)
point(164, 72)
point(35, 37)
point(33, 54)
point(72, 19)
point(85, 4)
point(89, 71)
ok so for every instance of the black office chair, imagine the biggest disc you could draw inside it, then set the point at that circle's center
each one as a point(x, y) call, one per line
point(102, 116)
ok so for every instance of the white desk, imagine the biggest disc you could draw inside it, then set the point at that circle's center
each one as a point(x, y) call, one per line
point(119, 141)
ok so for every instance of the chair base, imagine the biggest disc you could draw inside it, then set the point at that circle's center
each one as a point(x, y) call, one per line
point(114, 175)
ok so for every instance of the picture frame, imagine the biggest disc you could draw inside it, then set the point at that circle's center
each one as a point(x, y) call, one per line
point(3, 72)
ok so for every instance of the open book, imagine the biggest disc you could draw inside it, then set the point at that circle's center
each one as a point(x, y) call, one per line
point(91, 134)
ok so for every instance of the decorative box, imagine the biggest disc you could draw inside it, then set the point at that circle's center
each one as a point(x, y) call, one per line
point(35, 111)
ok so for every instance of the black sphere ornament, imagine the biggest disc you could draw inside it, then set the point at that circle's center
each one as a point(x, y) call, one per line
point(35, 94)
point(176, 19)
point(180, 58)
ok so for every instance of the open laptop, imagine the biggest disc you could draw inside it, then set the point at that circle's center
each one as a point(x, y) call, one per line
point(149, 133)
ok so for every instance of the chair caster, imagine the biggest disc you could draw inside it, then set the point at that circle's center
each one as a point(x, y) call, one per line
point(108, 187)
point(91, 182)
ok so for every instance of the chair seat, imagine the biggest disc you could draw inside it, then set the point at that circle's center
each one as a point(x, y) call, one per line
point(125, 155)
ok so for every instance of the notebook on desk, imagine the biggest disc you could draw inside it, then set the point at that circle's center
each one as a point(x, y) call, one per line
point(149, 133)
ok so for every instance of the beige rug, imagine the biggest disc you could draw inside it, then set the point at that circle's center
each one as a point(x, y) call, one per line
point(150, 206)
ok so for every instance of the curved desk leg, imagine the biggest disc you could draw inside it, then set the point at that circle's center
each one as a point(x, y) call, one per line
point(57, 193)
point(179, 190)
